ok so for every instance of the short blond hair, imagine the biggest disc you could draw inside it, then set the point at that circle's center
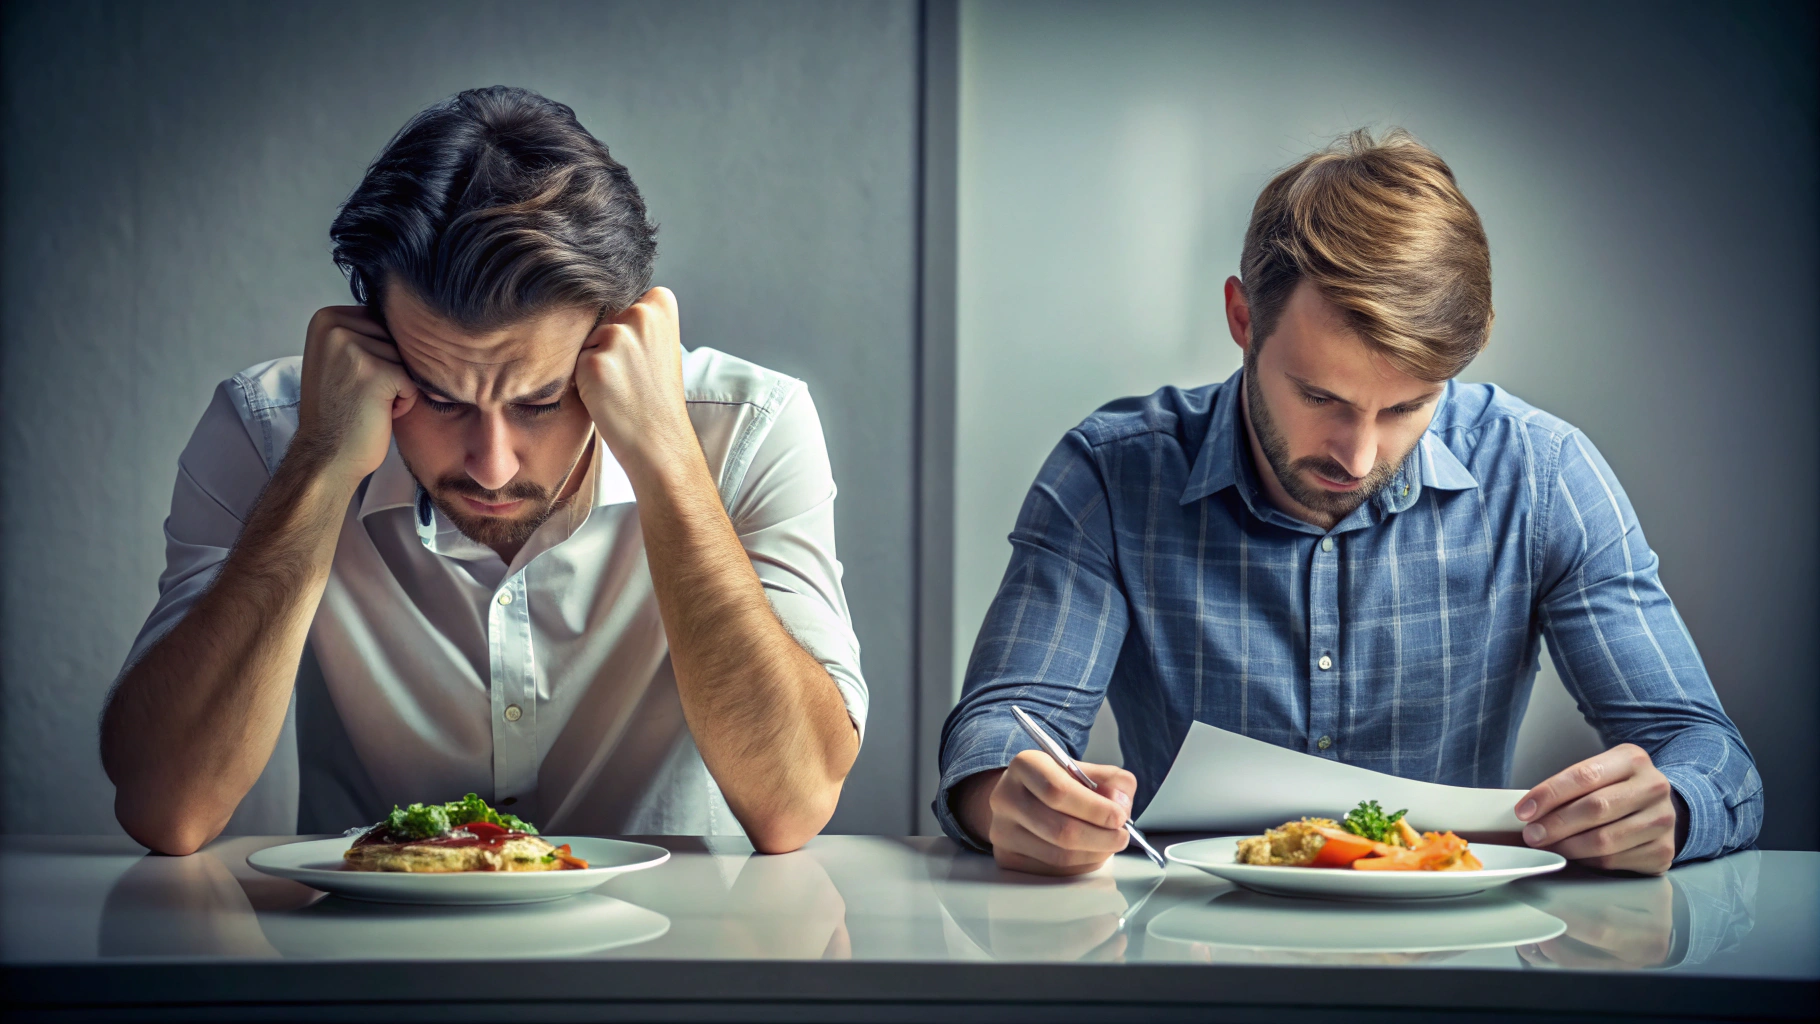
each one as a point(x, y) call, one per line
point(1383, 231)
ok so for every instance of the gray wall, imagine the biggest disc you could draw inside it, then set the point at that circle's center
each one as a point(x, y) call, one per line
point(1645, 173)
point(171, 171)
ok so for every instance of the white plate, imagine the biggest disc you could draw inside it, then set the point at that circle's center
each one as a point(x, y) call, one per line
point(1252, 921)
point(317, 863)
point(349, 930)
point(1503, 865)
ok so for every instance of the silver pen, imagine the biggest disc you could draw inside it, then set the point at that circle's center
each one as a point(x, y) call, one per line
point(1050, 746)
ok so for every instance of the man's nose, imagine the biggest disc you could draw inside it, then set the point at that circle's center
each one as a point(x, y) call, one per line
point(1358, 452)
point(491, 462)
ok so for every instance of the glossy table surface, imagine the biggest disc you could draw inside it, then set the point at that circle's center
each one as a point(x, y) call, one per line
point(93, 925)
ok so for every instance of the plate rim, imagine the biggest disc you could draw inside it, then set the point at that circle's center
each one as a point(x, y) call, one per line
point(446, 879)
point(1499, 875)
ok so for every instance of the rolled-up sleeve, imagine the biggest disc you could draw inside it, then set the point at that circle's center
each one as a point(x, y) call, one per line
point(1051, 635)
point(784, 515)
point(219, 478)
point(1627, 657)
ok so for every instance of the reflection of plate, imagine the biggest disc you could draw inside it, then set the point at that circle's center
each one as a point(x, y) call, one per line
point(1252, 921)
point(1503, 865)
point(334, 929)
point(318, 864)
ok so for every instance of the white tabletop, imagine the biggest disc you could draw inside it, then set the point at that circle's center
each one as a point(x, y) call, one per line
point(97, 919)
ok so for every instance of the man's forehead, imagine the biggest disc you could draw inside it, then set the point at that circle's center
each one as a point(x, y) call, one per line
point(1341, 364)
point(528, 360)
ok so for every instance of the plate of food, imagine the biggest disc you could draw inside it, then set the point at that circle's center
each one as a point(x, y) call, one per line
point(460, 852)
point(1367, 855)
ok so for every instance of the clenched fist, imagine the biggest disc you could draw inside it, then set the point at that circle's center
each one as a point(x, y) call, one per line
point(354, 385)
point(629, 375)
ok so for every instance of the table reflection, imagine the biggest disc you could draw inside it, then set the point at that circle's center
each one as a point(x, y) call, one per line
point(1239, 926)
point(1627, 923)
point(725, 902)
point(211, 904)
point(993, 914)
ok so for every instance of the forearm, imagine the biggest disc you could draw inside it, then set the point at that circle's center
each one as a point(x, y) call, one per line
point(766, 716)
point(191, 725)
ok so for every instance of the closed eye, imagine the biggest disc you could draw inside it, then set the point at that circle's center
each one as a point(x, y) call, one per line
point(442, 407)
point(539, 410)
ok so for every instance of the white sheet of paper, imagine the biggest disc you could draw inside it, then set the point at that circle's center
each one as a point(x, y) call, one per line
point(1224, 781)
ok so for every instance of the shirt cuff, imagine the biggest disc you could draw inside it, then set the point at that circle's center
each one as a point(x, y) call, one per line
point(980, 748)
point(1708, 819)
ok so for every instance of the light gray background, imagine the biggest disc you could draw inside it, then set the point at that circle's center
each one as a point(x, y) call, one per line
point(1645, 174)
point(171, 171)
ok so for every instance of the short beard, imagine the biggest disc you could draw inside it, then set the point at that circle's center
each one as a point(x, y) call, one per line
point(1312, 497)
point(496, 531)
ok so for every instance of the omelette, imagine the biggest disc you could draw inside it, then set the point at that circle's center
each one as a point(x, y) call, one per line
point(462, 835)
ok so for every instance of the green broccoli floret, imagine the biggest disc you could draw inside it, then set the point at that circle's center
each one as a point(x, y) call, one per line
point(1370, 821)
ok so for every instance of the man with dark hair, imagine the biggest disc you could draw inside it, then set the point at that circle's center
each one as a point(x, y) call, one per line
point(1343, 551)
point(520, 541)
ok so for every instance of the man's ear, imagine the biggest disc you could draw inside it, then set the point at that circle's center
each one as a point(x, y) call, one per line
point(1238, 314)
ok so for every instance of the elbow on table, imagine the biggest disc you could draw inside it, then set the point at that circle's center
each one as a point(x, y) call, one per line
point(172, 834)
point(786, 831)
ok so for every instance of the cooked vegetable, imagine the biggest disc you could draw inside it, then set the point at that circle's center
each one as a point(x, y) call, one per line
point(1342, 848)
point(1370, 821)
point(569, 860)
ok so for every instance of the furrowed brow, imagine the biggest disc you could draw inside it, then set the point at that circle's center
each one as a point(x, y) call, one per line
point(422, 384)
point(543, 394)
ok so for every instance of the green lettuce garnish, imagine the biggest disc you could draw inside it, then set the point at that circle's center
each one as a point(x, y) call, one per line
point(425, 821)
point(418, 821)
point(1370, 821)
point(472, 808)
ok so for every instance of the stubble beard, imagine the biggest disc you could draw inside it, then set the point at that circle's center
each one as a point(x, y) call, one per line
point(1313, 497)
point(496, 531)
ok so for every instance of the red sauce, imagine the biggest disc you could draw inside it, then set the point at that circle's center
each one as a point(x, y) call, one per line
point(490, 836)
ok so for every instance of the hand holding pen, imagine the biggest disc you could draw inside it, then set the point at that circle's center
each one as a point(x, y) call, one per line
point(1038, 817)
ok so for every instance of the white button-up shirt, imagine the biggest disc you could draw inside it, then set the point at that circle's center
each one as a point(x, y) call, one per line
point(435, 669)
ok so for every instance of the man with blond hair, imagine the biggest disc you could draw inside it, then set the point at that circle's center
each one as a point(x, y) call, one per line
point(1344, 551)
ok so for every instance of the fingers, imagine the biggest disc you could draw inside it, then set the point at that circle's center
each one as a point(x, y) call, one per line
point(1614, 765)
point(1063, 831)
point(1652, 857)
point(1038, 773)
point(1016, 847)
point(1044, 821)
point(1602, 807)
point(658, 305)
point(351, 318)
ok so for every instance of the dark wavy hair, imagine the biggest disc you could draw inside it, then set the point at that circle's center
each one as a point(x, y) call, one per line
point(494, 206)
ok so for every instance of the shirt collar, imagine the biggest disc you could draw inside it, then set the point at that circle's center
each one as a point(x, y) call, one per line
point(1221, 462)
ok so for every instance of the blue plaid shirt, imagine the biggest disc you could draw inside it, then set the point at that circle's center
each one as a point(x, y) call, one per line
point(1149, 568)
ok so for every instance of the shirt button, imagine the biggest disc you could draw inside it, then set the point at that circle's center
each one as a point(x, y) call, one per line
point(513, 712)
point(1326, 543)
point(1325, 663)
point(1324, 742)
point(505, 597)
